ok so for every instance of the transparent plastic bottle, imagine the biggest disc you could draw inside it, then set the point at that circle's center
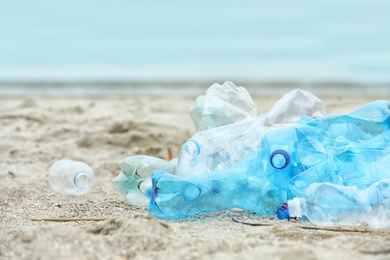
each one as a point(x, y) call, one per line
point(70, 177)
point(220, 148)
point(327, 204)
point(222, 105)
point(134, 177)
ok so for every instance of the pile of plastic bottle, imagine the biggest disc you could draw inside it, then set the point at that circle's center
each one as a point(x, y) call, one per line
point(293, 161)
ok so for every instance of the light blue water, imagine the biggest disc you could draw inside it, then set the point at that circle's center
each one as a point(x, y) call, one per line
point(301, 40)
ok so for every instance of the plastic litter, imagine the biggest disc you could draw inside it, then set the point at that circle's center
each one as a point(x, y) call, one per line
point(287, 163)
point(283, 212)
point(70, 177)
point(222, 105)
point(220, 147)
point(331, 169)
point(240, 186)
point(134, 177)
point(326, 204)
point(320, 150)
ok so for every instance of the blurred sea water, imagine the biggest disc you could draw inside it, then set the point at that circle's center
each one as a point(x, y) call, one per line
point(185, 89)
point(302, 42)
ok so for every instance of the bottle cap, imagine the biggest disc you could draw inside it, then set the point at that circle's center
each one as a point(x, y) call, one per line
point(283, 212)
point(192, 147)
point(82, 180)
point(295, 207)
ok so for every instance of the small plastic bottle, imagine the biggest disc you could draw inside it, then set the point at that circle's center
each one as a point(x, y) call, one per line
point(70, 177)
point(327, 204)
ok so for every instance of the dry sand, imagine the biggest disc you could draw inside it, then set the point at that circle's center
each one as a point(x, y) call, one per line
point(37, 131)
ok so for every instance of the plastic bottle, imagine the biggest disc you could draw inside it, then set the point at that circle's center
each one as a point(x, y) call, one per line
point(70, 177)
point(240, 186)
point(319, 150)
point(292, 106)
point(220, 148)
point(135, 177)
point(326, 204)
point(222, 105)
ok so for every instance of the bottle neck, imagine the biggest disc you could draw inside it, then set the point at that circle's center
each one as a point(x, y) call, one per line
point(297, 207)
point(82, 180)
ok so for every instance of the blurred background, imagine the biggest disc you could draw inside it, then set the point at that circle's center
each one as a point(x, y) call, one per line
point(160, 46)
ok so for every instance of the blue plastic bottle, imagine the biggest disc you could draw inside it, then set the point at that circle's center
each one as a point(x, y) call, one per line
point(327, 144)
point(238, 187)
point(359, 165)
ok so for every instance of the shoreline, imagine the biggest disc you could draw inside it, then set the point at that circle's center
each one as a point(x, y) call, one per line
point(184, 88)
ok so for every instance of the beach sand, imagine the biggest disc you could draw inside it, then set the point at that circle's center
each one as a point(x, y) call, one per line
point(101, 131)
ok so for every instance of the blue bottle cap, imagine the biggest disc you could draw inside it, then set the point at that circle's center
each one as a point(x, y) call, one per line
point(283, 213)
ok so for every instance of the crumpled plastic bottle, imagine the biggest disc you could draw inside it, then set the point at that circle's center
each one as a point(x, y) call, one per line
point(222, 105)
point(350, 187)
point(134, 177)
point(238, 187)
point(290, 158)
point(288, 153)
point(326, 204)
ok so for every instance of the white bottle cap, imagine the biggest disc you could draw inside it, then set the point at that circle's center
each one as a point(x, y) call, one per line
point(295, 207)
